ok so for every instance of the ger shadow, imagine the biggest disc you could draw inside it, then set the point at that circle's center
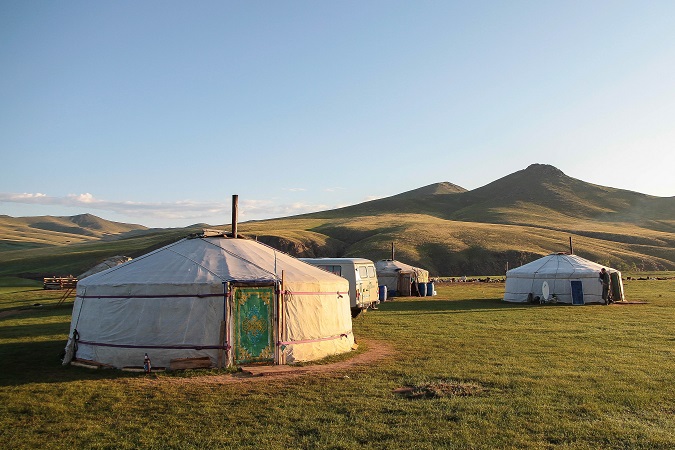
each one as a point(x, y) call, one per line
point(36, 358)
point(40, 362)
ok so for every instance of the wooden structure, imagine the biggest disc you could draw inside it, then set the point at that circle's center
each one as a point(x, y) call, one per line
point(58, 283)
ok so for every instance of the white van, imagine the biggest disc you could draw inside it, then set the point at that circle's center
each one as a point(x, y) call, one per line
point(360, 272)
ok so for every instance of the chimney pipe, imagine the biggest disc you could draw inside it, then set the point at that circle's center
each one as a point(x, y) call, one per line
point(392, 251)
point(571, 249)
point(235, 215)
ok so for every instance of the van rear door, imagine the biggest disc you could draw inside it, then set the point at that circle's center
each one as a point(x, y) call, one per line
point(358, 286)
point(366, 288)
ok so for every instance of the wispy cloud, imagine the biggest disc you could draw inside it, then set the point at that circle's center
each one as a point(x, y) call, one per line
point(295, 189)
point(250, 209)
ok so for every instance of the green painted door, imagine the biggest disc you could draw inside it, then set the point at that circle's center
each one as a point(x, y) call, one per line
point(253, 332)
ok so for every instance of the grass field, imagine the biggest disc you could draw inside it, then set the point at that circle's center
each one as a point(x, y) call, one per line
point(521, 376)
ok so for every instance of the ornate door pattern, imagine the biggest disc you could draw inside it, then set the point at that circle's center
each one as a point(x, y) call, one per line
point(253, 332)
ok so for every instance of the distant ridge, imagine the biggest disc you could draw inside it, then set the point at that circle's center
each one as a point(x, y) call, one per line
point(539, 192)
point(434, 224)
point(28, 232)
point(93, 222)
point(416, 200)
point(432, 189)
point(442, 227)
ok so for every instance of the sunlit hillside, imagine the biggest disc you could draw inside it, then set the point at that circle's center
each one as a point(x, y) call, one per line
point(442, 227)
point(29, 232)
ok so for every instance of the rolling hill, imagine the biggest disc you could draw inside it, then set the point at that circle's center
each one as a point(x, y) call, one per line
point(18, 233)
point(443, 227)
point(535, 195)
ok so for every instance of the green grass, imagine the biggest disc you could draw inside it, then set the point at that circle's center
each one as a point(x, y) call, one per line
point(544, 376)
point(14, 282)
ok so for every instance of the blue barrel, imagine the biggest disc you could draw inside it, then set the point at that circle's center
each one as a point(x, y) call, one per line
point(422, 289)
point(383, 293)
point(430, 289)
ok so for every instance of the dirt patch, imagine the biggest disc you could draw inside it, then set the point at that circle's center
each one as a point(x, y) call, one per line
point(440, 389)
point(376, 351)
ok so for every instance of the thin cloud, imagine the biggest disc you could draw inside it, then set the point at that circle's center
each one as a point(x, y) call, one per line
point(249, 209)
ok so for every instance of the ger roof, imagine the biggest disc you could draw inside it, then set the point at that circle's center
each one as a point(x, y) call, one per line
point(210, 260)
point(560, 264)
point(392, 265)
point(328, 260)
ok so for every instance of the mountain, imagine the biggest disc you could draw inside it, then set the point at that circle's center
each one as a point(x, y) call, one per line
point(539, 193)
point(556, 195)
point(430, 199)
point(512, 220)
point(31, 248)
point(443, 227)
point(29, 232)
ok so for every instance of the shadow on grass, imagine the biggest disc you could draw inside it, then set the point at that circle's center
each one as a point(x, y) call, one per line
point(40, 362)
point(43, 310)
point(421, 306)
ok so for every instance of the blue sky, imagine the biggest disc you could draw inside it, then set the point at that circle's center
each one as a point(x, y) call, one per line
point(157, 112)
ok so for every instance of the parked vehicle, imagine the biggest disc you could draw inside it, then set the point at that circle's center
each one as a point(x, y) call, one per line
point(360, 272)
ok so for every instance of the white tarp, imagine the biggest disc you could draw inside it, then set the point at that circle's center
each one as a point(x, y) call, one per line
point(389, 270)
point(557, 271)
point(107, 264)
point(170, 304)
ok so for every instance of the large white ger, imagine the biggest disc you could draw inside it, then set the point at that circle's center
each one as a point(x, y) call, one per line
point(233, 301)
point(568, 278)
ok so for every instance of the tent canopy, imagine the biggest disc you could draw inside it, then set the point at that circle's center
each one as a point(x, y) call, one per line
point(390, 271)
point(198, 296)
point(106, 264)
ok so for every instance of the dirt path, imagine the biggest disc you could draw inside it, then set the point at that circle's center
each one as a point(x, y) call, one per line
point(376, 351)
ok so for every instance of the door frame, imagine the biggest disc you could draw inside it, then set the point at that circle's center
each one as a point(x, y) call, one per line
point(268, 354)
point(577, 299)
